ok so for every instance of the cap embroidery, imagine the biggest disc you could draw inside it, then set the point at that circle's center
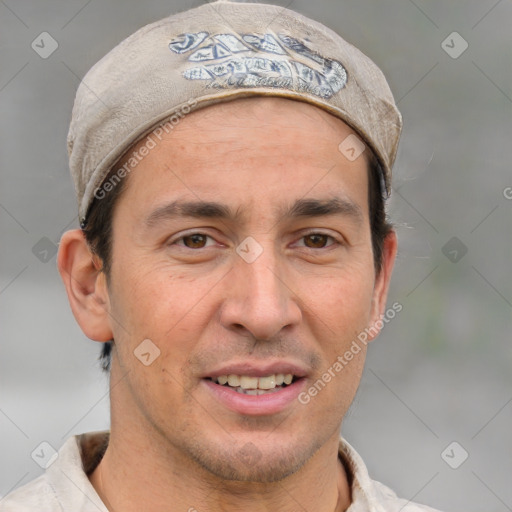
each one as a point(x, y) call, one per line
point(256, 60)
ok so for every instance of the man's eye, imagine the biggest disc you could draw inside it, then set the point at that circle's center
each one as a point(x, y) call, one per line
point(193, 241)
point(317, 240)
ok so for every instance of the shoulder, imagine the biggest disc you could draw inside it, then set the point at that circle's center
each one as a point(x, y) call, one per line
point(64, 486)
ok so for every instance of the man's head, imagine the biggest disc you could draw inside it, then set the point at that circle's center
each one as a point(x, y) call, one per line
point(248, 241)
point(278, 277)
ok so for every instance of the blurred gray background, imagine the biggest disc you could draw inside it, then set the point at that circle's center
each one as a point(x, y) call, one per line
point(440, 371)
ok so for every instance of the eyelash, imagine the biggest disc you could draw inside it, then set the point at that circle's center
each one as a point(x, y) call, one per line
point(335, 242)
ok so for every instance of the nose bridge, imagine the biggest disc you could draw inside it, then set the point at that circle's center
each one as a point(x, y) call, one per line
point(262, 275)
point(261, 301)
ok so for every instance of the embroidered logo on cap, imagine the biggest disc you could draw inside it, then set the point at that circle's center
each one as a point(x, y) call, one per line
point(256, 60)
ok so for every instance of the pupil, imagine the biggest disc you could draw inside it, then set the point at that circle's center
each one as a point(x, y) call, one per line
point(197, 240)
point(317, 240)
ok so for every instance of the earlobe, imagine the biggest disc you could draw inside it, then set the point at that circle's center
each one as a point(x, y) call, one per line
point(380, 292)
point(85, 284)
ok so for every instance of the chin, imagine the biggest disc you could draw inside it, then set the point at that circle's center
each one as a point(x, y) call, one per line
point(263, 471)
point(248, 462)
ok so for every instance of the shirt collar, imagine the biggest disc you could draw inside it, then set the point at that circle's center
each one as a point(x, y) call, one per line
point(67, 478)
point(364, 494)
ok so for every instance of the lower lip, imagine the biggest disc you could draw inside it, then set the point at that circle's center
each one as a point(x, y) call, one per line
point(256, 405)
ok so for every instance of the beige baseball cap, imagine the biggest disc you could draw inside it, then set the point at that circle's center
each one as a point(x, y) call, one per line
point(218, 52)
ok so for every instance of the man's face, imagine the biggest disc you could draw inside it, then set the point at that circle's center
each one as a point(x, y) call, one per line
point(192, 284)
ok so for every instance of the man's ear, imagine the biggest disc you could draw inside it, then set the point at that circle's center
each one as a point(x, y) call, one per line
point(86, 285)
point(380, 291)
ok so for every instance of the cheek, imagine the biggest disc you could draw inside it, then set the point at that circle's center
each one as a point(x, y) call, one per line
point(338, 313)
point(152, 301)
point(342, 301)
point(154, 333)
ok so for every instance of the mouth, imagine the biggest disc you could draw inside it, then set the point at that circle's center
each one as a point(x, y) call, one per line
point(256, 386)
point(249, 390)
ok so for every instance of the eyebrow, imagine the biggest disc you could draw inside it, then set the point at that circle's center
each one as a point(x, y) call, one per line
point(306, 207)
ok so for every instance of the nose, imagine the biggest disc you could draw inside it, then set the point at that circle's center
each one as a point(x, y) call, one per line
point(260, 299)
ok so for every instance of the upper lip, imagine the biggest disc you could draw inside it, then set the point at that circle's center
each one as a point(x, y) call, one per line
point(259, 369)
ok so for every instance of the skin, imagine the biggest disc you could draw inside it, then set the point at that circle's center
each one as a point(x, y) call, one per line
point(304, 299)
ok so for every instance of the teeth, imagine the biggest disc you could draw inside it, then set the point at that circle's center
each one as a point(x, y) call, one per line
point(267, 382)
point(253, 392)
point(252, 385)
point(234, 381)
point(248, 382)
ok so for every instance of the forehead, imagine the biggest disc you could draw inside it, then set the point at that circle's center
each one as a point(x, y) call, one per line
point(251, 143)
point(292, 117)
point(216, 122)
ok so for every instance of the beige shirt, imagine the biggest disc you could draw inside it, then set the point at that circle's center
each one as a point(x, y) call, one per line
point(65, 487)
